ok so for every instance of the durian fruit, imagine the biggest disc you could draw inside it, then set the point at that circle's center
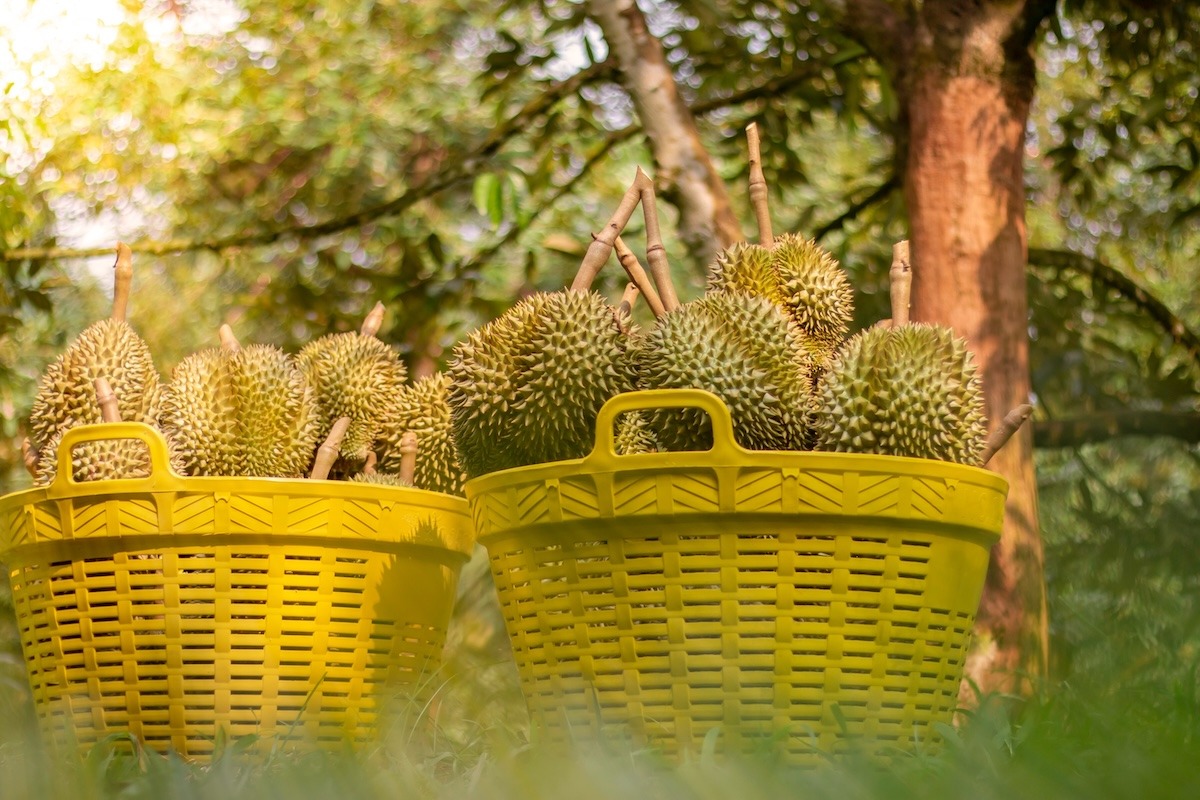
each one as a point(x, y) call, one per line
point(241, 411)
point(814, 290)
point(406, 464)
point(357, 376)
point(794, 272)
point(424, 409)
point(110, 349)
point(526, 388)
point(905, 389)
point(635, 435)
point(800, 277)
point(745, 350)
point(103, 459)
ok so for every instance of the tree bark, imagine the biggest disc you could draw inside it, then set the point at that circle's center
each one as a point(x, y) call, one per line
point(684, 171)
point(967, 99)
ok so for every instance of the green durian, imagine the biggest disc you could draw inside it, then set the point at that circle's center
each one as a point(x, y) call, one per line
point(743, 349)
point(102, 459)
point(247, 413)
point(108, 349)
point(381, 479)
point(634, 435)
point(802, 278)
point(66, 397)
point(358, 376)
point(910, 390)
point(424, 409)
point(526, 388)
point(814, 289)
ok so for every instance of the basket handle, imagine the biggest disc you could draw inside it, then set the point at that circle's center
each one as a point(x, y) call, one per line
point(161, 476)
point(724, 445)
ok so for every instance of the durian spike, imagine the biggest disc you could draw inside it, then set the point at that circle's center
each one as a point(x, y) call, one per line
point(122, 281)
point(901, 280)
point(107, 400)
point(229, 342)
point(656, 254)
point(758, 188)
point(1011, 423)
point(369, 464)
point(633, 268)
point(29, 456)
point(373, 321)
point(408, 456)
point(327, 453)
point(602, 243)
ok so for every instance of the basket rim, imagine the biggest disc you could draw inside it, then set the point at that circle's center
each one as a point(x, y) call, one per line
point(801, 460)
point(459, 539)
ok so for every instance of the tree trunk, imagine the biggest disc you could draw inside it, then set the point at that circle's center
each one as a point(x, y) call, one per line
point(966, 203)
point(684, 172)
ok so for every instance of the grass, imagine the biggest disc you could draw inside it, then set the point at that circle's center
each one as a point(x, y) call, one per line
point(1065, 743)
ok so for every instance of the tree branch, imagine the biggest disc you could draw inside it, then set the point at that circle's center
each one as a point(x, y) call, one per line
point(1125, 286)
point(1032, 16)
point(1182, 425)
point(879, 27)
point(879, 193)
point(455, 172)
point(684, 167)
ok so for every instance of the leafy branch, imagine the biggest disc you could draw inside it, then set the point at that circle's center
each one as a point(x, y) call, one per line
point(1125, 286)
point(1182, 425)
point(456, 172)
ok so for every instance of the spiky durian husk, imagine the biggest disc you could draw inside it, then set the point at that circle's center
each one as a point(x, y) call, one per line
point(772, 342)
point(692, 348)
point(381, 479)
point(483, 389)
point(905, 391)
point(576, 360)
point(354, 376)
point(106, 459)
point(425, 410)
point(634, 435)
point(814, 290)
point(745, 267)
point(248, 413)
point(526, 388)
point(66, 395)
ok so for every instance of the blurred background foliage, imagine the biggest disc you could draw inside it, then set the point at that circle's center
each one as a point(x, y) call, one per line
point(283, 166)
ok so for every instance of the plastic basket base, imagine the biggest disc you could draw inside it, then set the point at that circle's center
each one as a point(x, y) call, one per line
point(297, 646)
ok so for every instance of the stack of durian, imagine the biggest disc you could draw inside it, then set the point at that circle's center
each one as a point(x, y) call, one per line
point(769, 337)
point(340, 408)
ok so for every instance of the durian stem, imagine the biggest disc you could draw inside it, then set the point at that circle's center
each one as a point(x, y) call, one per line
point(373, 321)
point(369, 464)
point(656, 254)
point(628, 298)
point(758, 188)
point(107, 400)
point(29, 456)
point(602, 243)
point(327, 453)
point(229, 342)
point(901, 279)
point(408, 456)
point(883, 323)
point(633, 268)
point(1011, 423)
point(122, 281)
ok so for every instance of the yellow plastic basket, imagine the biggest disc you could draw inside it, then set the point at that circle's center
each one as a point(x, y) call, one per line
point(764, 600)
point(183, 610)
